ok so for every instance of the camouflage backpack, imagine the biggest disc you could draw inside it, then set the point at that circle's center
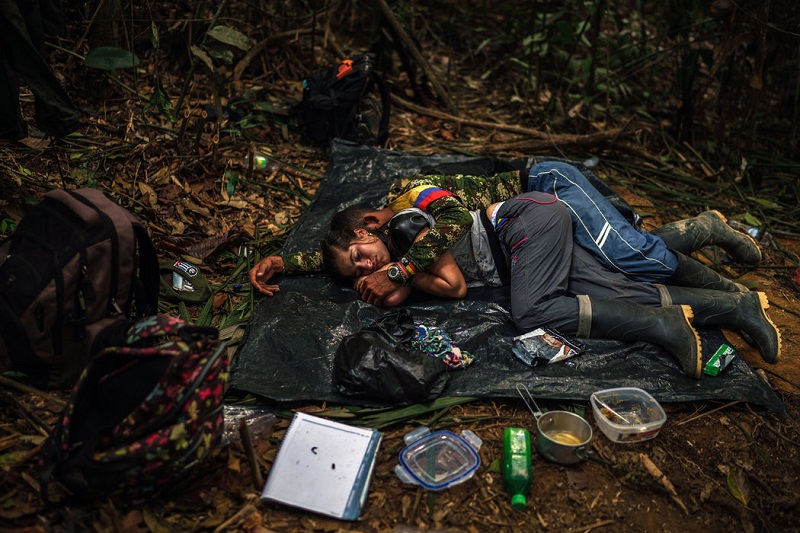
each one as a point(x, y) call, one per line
point(141, 415)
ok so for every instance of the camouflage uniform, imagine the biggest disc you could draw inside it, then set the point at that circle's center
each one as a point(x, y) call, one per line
point(447, 198)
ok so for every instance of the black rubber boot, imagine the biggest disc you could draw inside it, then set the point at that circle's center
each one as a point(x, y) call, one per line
point(692, 273)
point(744, 311)
point(709, 228)
point(669, 327)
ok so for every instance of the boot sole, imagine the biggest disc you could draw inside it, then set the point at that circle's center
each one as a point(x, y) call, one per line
point(688, 316)
point(724, 220)
point(764, 301)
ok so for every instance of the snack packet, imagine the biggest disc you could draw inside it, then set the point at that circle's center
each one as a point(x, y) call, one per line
point(543, 346)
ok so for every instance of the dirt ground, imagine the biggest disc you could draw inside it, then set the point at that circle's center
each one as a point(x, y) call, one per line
point(718, 467)
point(715, 466)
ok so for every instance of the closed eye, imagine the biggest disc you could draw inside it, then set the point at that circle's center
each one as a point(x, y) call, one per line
point(355, 258)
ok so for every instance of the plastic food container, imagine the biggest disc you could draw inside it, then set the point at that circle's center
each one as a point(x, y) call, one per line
point(438, 460)
point(627, 414)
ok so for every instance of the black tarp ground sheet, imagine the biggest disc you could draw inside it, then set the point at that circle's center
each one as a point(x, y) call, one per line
point(288, 350)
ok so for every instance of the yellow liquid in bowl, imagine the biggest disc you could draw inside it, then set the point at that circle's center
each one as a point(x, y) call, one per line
point(564, 437)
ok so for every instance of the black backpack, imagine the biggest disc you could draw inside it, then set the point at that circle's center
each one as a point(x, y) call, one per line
point(348, 101)
point(69, 277)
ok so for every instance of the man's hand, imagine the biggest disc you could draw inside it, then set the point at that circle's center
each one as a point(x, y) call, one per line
point(263, 272)
point(375, 287)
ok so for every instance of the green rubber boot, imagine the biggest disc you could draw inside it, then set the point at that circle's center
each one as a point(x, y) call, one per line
point(706, 229)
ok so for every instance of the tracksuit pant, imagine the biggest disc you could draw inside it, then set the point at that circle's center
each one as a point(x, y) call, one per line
point(548, 268)
point(599, 227)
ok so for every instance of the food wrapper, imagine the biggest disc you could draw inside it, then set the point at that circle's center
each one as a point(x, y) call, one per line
point(543, 346)
point(721, 359)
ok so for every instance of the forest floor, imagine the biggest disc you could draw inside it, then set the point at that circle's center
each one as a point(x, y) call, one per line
point(721, 466)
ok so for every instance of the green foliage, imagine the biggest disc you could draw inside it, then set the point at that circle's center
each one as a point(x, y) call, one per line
point(220, 46)
point(230, 36)
point(160, 101)
point(7, 226)
point(231, 181)
point(110, 59)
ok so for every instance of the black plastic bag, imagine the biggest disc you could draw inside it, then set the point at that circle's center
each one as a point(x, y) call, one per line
point(379, 362)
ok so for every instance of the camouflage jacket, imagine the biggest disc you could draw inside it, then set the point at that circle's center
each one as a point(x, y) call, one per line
point(447, 198)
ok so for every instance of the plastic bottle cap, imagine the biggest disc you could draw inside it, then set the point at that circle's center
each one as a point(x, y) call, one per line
point(518, 501)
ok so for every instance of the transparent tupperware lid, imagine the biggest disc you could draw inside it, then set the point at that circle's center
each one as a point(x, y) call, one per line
point(438, 460)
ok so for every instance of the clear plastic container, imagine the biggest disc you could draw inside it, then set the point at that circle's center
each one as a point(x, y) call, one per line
point(627, 414)
point(438, 460)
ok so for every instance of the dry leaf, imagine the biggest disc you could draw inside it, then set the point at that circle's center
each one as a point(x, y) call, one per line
point(150, 196)
point(739, 486)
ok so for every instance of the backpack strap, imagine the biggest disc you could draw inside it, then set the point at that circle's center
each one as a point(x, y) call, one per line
point(386, 108)
point(17, 346)
point(147, 291)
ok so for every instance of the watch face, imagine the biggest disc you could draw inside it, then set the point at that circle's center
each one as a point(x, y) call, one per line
point(394, 274)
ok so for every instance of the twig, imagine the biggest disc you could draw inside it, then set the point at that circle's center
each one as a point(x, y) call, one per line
point(190, 75)
point(795, 385)
point(654, 471)
point(244, 512)
point(250, 452)
point(28, 415)
point(257, 48)
point(714, 410)
point(777, 434)
point(599, 523)
point(82, 38)
point(10, 383)
point(418, 57)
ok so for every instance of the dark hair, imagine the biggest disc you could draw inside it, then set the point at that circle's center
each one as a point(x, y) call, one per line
point(350, 218)
point(337, 241)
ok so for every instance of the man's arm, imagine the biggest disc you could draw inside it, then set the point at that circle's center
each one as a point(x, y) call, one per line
point(297, 263)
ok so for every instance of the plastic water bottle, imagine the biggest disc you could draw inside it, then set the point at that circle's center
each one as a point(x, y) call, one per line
point(260, 162)
point(755, 232)
point(517, 473)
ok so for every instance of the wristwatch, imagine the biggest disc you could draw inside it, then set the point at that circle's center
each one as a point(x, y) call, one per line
point(396, 275)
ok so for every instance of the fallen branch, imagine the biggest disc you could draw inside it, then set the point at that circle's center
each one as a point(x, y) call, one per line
point(418, 57)
point(659, 476)
point(257, 48)
point(557, 140)
point(541, 140)
point(10, 383)
point(510, 128)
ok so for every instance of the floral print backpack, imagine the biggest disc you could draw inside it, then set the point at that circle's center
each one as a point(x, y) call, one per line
point(141, 415)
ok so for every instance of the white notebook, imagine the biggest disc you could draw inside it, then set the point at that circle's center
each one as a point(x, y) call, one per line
point(323, 466)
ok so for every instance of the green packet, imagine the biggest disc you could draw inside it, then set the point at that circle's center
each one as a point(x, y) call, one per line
point(721, 359)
